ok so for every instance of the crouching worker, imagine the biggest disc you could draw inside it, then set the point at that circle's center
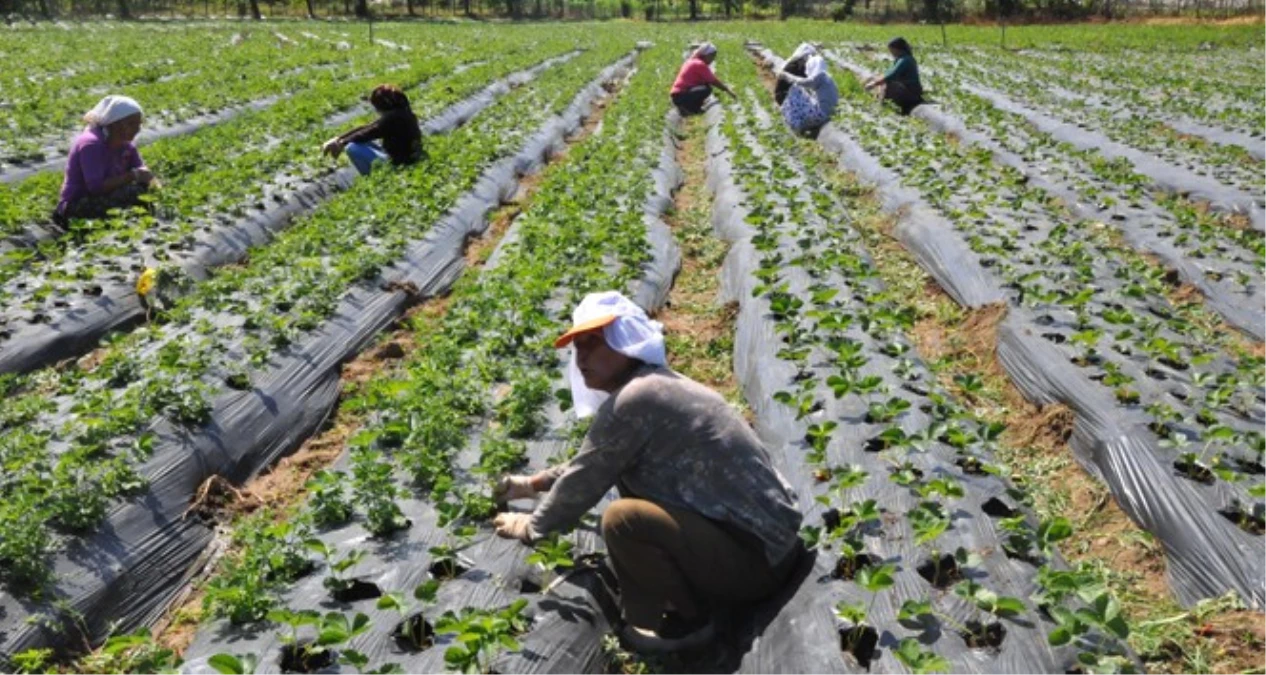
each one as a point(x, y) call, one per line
point(703, 522)
point(695, 81)
point(104, 169)
point(811, 95)
point(396, 128)
point(901, 83)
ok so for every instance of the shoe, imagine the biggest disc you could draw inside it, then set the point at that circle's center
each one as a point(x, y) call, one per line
point(675, 634)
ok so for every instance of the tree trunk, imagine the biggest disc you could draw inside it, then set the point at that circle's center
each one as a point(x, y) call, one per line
point(45, 10)
point(694, 10)
point(409, 6)
point(362, 8)
point(466, 7)
point(311, 11)
point(254, 10)
point(124, 12)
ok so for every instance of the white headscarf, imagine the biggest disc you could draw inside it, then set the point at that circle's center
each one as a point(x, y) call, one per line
point(706, 49)
point(816, 65)
point(111, 109)
point(805, 49)
point(629, 332)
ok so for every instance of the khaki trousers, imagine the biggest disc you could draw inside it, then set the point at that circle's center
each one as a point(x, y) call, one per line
point(666, 557)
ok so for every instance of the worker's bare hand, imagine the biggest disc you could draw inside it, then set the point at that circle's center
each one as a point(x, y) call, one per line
point(510, 488)
point(514, 526)
point(143, 176)
point(332, 147)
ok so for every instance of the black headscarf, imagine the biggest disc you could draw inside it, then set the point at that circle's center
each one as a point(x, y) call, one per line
point(900, 45)
point(387, 97)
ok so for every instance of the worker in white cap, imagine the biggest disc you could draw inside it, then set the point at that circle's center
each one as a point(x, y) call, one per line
point(704, 520)
point(695, 81)
point(104, 170)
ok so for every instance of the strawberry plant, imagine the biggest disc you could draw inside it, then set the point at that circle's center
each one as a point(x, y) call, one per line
point(550, 555)
point(413, 631)
point(332, 630)
point(329, 503)
point(481, 636)
point(374, 491)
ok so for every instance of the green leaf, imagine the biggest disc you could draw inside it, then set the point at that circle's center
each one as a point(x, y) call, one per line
point(393, 600)
point(426, 591)
point(1007, 605)
point(360, 624)
point(1060, 636)
point(875, 579)
point(455, 656)
point(318, 547)
point(1054, 530)
point(912, 610)
point(356, 659)
point(233, 665)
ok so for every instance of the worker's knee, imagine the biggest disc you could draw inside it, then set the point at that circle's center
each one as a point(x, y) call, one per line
point(617, 517)
point(632, 519)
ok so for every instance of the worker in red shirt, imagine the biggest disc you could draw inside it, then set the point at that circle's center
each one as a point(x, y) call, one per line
point(695, 81)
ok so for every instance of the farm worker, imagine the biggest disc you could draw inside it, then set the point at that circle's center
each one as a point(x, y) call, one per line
point(695, 81)
point(704, 520)
point(396, 127)
point(901, 82)
point(104, 170)
point(812, 97)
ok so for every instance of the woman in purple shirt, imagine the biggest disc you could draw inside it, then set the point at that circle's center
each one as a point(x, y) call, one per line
point(104, 170)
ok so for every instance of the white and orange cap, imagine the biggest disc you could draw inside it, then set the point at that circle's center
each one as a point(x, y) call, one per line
point(625, 327)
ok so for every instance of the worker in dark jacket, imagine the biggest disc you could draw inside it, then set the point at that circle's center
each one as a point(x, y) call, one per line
point(704, 520)
point(396, 128)
point(901, 83)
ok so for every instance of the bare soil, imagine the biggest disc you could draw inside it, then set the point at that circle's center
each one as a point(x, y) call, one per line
point(698, 328)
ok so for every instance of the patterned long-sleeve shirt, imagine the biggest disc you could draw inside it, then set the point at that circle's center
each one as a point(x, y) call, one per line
point(665, 438)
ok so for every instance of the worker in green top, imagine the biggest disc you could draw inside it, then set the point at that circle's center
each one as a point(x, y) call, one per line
point(901, 83)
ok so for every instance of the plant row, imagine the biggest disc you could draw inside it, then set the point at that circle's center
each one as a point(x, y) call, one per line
point(1229, 164)
point(1105, 305)
point(91, 268)
point(185, 82)
point(901, 474)
point(1164, 86)
point(459, 412)
point(73, 437)
point(1206, 249)
point(39, 126)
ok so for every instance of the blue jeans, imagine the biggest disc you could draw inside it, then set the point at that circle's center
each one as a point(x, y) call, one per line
point(363, 156)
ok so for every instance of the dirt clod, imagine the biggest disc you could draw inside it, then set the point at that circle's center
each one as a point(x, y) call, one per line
point(860, 642)
point(298, 658)
point(414, 634)
point(984, 636)
point(941, 572)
